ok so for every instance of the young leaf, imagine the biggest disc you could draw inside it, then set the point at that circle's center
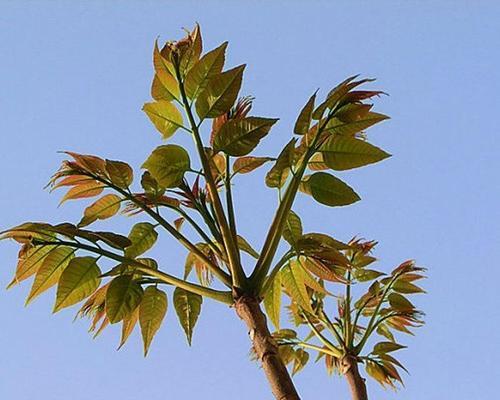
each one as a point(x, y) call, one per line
point(151, 313)
point(305, 116)
point(293, 281)
point(272, 301)
point(29, 262)
point(83, 191)
point(168, 164)
point(292, 230)
point(105, 207)
point(51, 269)
point(208, 66)
point(122, 298)
point(78, 281)
point(220, 93)
point(165, 116)
point(341, 153)
point(246, 247)
point(120, 173)
point(276, 177)
point(244, 165)
point(351, 128)
point(128, 325)
point(239, 137)
point(400, 303)
point(143, 236)
point(187, 306)
point(165, 74)
point(331, 191)
point(386, 347)
point(402, 286)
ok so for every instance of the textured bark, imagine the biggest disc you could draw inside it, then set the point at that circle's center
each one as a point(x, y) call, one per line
point(248, 309)
point(356, 382)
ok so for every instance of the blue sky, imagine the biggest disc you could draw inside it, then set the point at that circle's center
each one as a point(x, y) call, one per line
point(74, 75)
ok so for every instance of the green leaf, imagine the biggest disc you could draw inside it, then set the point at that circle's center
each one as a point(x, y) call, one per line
point(293, 281)
point(165, 73)
point(220, 93)
point(365, 275)
point(305, 116)
point(122, 298)
point(246, 247)
point(165, 117)
point(120, 173)
point(338, 127)
point(143, 236)
point(277, 175)
point(188, 307)
point(300, 359)
point(78, 281)
point(128, 325)
point(341, 153)
point(333, 97)
point(244, 165)
point(331, 191)
point(105, 207)
point(208, 66)
point(292, 230)
point(321, 270)
point(29, 263)
point(272, 301)
point(375, 371)
point(168, 164)
point(238, 137)
point(386, 347)
point(50, 271)
point(402, 286)
point(400, 303)
point(151, 313)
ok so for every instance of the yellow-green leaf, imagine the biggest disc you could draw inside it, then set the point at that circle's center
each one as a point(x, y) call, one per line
point(29, 262)
point(336, 126)
point(272, 301)
point(143, 236)
point(166, 75)
point(105, 207)
point(305, 116)
point(400, 303)
point(122, 298)
point(293, 281)
point(220, 93)
point(244, 165)
point(246, 247)
point(120, 173)
point(209, 65)
point(165, 117)
point(188, 307)
point(151, 313)
point(128, 325)
point(238, 137)
point(341, 153)
point(168, 164)
point(331, 191)
point(292, 230)
point(79, 280)
point(51, 269)
point(82, 191)
point(276, 177)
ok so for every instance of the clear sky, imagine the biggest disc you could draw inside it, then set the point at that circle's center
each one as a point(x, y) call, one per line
point(74, 75)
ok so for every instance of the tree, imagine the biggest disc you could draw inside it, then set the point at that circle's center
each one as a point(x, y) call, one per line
point(117, 284)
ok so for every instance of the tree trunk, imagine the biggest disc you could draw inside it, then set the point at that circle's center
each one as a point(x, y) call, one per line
point(248, 309)
point(356, 382)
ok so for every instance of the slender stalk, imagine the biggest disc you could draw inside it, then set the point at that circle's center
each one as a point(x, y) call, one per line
point(238, 275)
point(224, 297)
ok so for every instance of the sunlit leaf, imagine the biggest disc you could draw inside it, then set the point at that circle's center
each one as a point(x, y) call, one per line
point(143, 236)
point(272, 301)
point(188, 307)
point(386, 347)
point(165, 116)
point(277, 175)
point(123, 296)
point(305, 116)
point(105, 207)
point(402, 286)
point(331, 191)
point(293, 280)
point(220, 94)
point(165, 74)
point(246, 247)
point(351, 128)
point(50, 271)
point(244, 165)
point(120, 173)
point(292, 230)
point(168, 164)
point(151, 313)
point(83, 191)
point(240, 136)
point(78, 281)
point(29, 262)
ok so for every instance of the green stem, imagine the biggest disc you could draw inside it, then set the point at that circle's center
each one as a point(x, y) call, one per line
point(224, 297)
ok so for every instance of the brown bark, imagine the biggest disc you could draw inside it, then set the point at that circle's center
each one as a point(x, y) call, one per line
point(248, 309)
point(356, 382)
